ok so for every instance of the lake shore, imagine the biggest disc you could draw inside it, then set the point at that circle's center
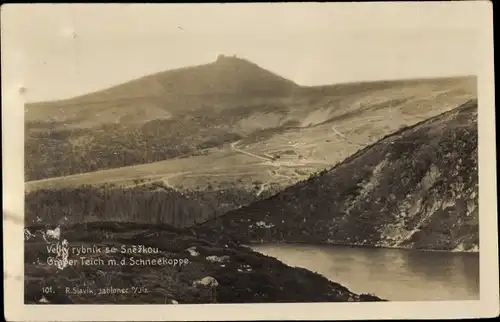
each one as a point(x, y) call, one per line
point(255, 242)
point(394, 274)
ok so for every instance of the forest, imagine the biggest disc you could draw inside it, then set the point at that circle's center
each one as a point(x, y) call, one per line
point(88, 204)
point(152, 203)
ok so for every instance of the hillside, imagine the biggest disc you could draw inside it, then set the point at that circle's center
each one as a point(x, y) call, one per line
point(204, 271)
point(416, 188)
point(157, 117)
point(202, 110)
point(167, 93)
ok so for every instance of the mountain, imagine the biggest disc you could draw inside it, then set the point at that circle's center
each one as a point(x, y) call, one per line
point(157, 117)
point(224, 134)
point(416, 188)
point(199, 110)
point(163, 95)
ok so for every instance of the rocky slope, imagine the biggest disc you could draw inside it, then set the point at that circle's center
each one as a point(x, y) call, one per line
point(416, 188)
point(191, 270)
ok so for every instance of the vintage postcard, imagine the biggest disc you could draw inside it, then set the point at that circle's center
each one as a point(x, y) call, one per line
point(251, 161)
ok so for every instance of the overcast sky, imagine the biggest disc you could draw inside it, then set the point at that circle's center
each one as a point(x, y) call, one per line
point(60, 50)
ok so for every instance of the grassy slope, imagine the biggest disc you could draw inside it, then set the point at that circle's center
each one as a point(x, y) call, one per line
point(184, 112)
point(264, 114)
point(365, 113)
point(299, 130)
point(154, 118)
point(416, 188)
point(245, 276)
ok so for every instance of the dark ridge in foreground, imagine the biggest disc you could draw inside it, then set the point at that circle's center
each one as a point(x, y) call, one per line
point(416, 188)
point(206, 272)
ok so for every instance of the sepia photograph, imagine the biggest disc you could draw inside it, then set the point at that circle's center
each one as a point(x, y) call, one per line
point(250, 154)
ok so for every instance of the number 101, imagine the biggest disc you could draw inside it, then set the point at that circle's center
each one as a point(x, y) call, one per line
point(47, 290)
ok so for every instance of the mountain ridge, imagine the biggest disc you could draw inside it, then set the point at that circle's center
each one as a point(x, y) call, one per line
point(226, 58)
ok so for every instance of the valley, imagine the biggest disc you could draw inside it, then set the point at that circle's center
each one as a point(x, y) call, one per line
point(279, 142)
point(210, 158)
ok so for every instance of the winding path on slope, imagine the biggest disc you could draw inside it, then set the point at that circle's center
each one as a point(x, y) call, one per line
point(269, 161)
point(346, 138)
point(234, 148)
point(265, 160)
point(164, 180)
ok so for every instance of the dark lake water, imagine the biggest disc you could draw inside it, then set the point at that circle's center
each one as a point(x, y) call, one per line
point(393, 274)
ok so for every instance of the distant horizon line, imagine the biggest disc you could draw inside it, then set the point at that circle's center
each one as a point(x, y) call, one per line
point(351, 82)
